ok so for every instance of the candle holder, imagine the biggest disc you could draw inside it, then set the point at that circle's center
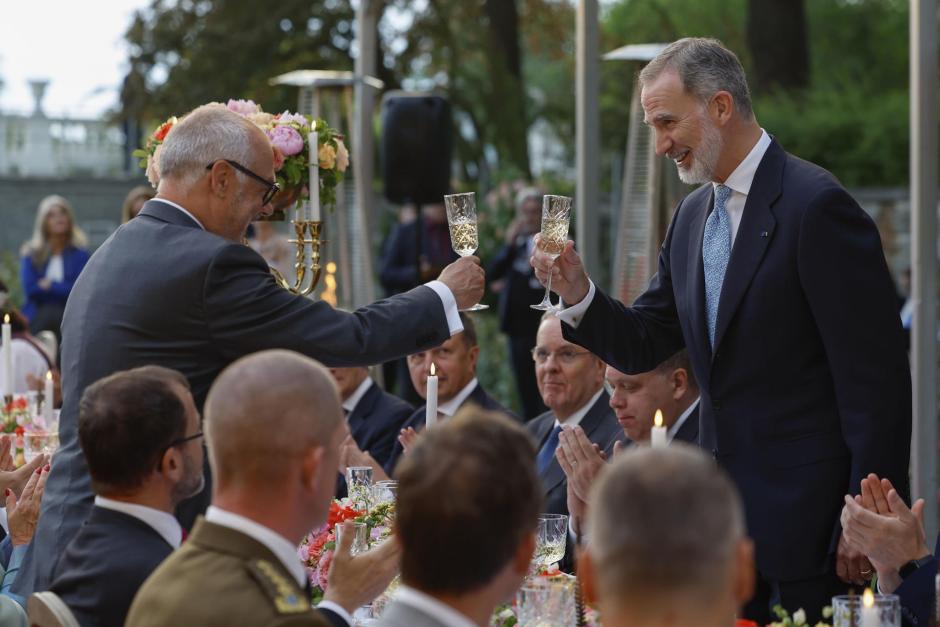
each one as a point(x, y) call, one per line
point(307, 233)
point(849, 611)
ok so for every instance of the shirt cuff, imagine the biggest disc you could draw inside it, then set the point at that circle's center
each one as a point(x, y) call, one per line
point(336, 609)
point(572, 315)
point(450, 306)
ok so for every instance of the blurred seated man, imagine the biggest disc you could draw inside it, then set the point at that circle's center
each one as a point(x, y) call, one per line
point(449, 514)
point(273, 481)
point(455, 363)
point(671, 387)
point(667, 542)
point(879, 525)
point(571, 384)
point(374, 417)
point(142, 439)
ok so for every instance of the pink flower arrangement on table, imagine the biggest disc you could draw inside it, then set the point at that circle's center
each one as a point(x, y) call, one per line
point(290, 135)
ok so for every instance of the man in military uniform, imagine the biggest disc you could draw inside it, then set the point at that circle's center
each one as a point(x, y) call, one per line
point(274, 427)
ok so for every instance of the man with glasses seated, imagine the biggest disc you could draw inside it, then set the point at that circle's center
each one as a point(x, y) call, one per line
point(571, 383)
point(141, 435)
point(176, 287)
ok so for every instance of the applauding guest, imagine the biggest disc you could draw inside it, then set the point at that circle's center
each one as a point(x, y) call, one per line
point(274, 482)
point(668, 545)
point(466, 546)
point(141, 435)
point(571, 383)
point(882, 527)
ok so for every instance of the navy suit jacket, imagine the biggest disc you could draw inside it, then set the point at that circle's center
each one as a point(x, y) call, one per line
point(105, 564)
point(416, 421)
point(163, 291)
point(522, 289)
point(600, 426)
point(917, 593)
point(808, 387)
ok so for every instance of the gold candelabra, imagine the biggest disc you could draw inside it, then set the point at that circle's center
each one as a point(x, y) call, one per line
point(307, 234)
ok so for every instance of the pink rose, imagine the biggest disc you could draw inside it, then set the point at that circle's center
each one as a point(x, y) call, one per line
point(323, 569)
point(286, 139)
point(243, 107)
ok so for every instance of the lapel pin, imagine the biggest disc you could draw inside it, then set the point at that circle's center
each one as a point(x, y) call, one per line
point(763, 233)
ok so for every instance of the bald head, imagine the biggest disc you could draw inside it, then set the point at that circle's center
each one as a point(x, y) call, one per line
point(272, 405)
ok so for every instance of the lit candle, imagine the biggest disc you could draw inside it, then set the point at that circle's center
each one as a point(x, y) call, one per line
point(314, 174)
point(658, 435)
point(430, 410)
point(6, 355)
point(48, 400)
point(869, 611)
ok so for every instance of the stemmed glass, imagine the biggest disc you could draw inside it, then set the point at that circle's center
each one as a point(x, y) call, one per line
point(462, 220)
point(551, 538)
point(556, 213)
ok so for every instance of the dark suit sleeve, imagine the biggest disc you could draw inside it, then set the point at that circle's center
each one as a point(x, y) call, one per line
point(850, 293)
point(916, 594)
point(246, 311)
point(634, 339)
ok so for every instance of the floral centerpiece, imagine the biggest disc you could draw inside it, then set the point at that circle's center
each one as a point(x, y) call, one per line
point(16, 418)
point(798, 619)
point(316, 550)
point(290, 135)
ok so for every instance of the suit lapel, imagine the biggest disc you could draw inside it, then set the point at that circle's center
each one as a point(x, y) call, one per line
point(754, 235)
point(358, 417)
point(695, 285)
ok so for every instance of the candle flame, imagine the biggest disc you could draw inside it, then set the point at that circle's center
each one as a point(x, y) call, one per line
point(6, 318)
point(658, 419)
point(48, 375)
point(432, 369)
point(868, 598)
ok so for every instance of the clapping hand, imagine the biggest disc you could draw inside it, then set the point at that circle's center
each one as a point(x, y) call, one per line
point(11, 477)
point(23, 512)
point(351, 455)
point(408, 437)
point(355, 580)
point(580, 459)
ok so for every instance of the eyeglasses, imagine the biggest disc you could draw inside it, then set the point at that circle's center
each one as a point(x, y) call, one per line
point(564, 355)
point(273, 187)
point(179, 441)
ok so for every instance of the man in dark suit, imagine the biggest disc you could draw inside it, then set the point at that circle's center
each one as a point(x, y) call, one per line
point(775, 280)
point(451, 467)
point(374, 417)
point(571, 382)
point(175, 287)
point(274, 481)
point(511, 276)
point(140, 433)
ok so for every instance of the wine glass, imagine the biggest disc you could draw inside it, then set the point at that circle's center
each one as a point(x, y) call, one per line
point(550, 540)
point(556, 213)
point(462, 220)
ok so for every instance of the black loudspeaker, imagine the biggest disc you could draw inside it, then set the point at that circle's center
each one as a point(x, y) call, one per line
point(416, 148)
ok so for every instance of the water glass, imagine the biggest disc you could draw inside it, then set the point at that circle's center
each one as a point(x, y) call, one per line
point(360, 542)
point(359, 485)
point(384, 492)
point(547, 602)
point(36, 442)
point(551, 538)
point(848, 611)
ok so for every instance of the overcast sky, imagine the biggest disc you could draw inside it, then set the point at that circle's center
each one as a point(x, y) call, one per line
point(77, 46)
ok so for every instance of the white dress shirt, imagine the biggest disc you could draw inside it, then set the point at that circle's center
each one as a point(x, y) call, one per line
point(426, 604)
point(575, 419)
point(164, 523)
point(740, 183)
point(350, 403)
point(282, 548)
point(450, 407)
point(443, 292)
point(55, 271)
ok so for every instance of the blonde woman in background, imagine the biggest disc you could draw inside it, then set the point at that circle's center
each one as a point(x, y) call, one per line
point(134, 201)
point(51, 262)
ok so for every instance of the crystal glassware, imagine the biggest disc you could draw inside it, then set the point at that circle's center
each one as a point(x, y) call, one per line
point(384, 492)
point(359, 485)
point(551, 538)
point(547, 602)
point(850, 611)
point(360, 543)
point(556, 215)
point(462, 220)
point(36, 442)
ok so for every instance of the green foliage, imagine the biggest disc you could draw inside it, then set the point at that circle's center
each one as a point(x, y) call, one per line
point(10, 274)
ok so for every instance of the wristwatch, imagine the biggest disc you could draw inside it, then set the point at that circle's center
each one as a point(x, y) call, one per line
point(908, 569)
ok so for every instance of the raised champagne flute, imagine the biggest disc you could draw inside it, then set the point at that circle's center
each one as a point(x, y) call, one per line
point(462, 220)
point(556, 214)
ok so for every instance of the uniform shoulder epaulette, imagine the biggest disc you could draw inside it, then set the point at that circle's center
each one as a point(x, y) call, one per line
point(282, 592)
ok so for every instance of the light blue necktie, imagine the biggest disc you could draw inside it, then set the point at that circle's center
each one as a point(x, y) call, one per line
point(547, 452)
point(716, 250)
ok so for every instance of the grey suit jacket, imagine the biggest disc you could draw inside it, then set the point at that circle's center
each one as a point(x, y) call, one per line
point(403, 615)
point(163, 291)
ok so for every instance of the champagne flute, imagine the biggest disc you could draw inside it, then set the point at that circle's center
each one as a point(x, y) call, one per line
point(462, 220)
point(556, 213)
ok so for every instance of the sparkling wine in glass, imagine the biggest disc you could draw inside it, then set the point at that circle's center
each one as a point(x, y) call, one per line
point(550, 540)
point(556, 214)
point(462, 220)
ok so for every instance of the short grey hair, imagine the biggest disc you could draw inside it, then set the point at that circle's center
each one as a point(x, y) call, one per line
point(664, 523)
point(205, 135)
point(705, 67)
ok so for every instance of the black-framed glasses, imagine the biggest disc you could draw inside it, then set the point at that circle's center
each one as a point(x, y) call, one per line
point(273, 187)
point(179, 441)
